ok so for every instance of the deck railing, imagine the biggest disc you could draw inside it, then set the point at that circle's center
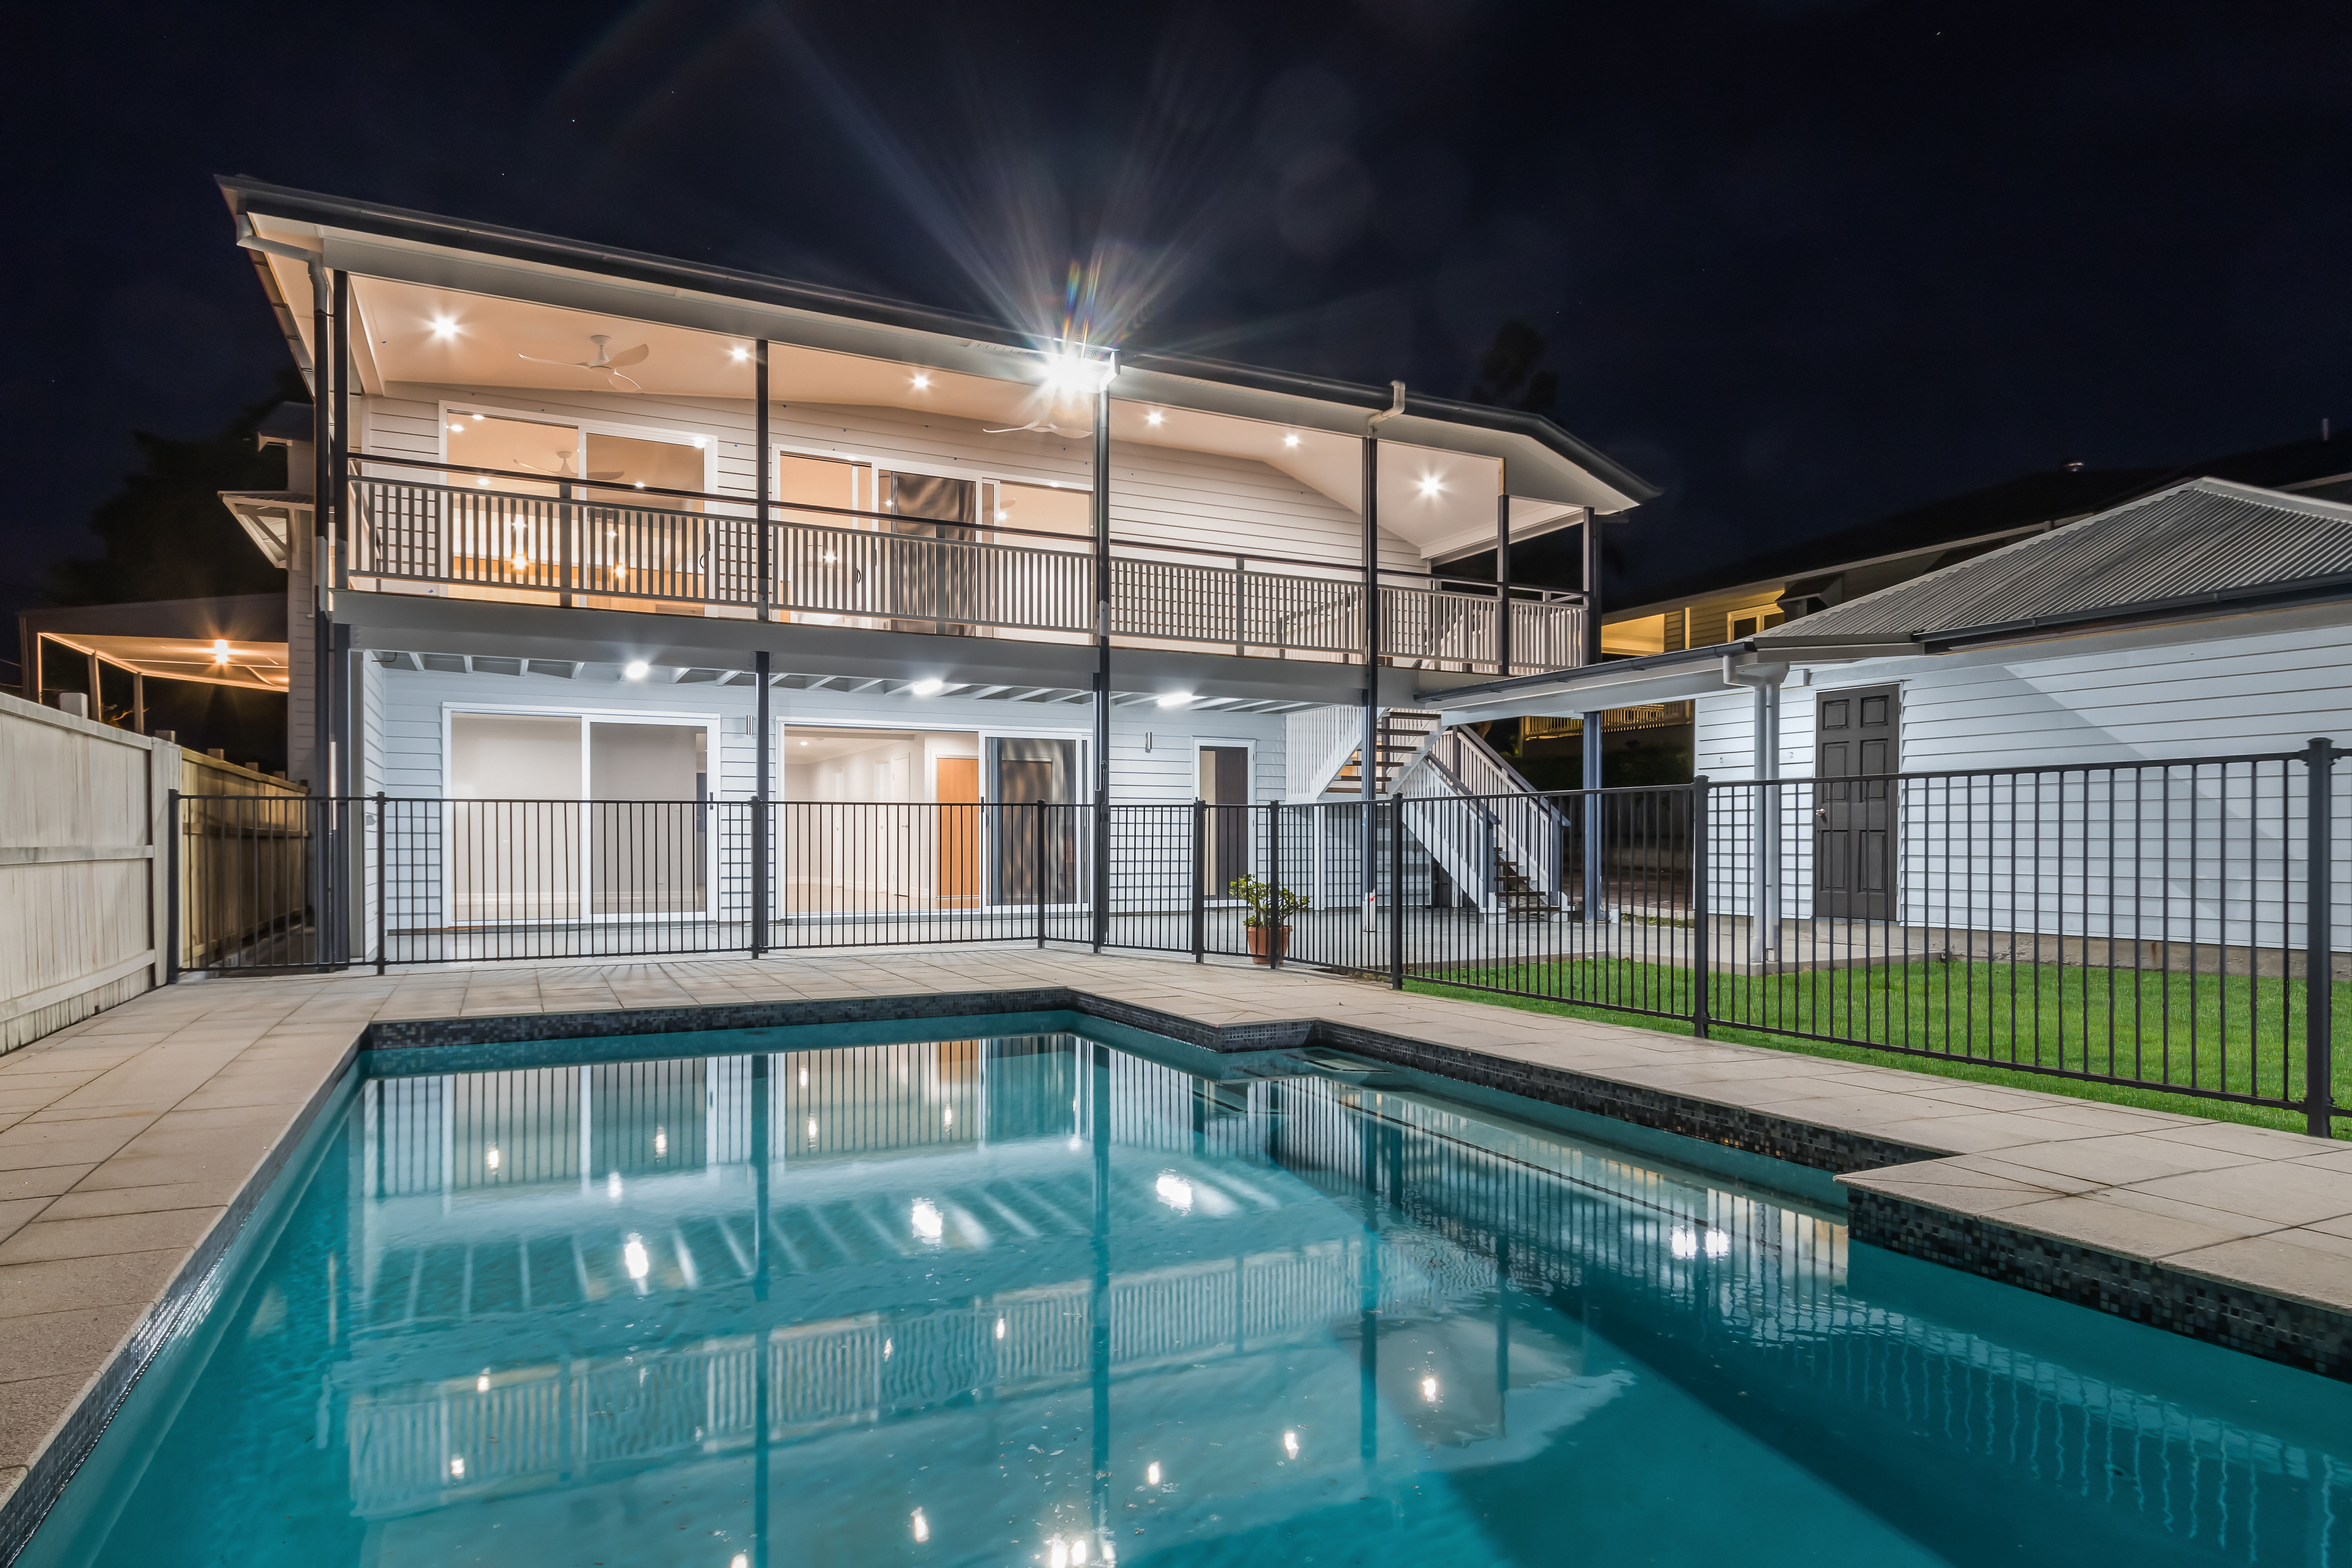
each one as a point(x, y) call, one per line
point(580, 546)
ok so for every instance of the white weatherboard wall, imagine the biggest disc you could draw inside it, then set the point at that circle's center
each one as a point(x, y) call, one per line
point(1153, 750)
point(1201, 500)
point(2265, 692)
point(83, 866)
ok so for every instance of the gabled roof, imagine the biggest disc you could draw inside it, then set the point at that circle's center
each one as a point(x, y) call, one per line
point(1498, 428)
point(2209, 544)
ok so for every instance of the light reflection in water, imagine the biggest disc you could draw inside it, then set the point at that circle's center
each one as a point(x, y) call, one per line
point(949, 1290)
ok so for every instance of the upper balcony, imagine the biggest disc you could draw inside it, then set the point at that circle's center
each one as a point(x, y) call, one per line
point(531, 424)
point(478, 534)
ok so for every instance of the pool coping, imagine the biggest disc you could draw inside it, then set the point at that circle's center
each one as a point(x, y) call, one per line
point(1916, 1195)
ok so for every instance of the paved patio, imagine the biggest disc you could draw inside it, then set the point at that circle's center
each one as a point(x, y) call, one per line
point(132, 1143)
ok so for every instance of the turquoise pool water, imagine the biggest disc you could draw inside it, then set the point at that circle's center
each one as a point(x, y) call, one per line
point(1032, 1299)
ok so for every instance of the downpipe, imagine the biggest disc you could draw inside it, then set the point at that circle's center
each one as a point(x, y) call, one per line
point(1765, 886)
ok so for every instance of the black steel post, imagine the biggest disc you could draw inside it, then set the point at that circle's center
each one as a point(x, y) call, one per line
point(383, 927)
point(2319, 1020)
point(1369, 767)
point(1278, 932)
point(341, 474)
point(760, 743)
point(762, 460)
point(1699, 932)
point(172, 888)
point(1199, 880)
point(1101, 878)
point(1503, 584)
point(1041, 873)
point(1396, 893)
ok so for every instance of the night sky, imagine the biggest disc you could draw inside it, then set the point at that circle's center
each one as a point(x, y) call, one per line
point(1800, 264)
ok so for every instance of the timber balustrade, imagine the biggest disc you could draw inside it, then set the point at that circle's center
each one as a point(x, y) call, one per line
point(589, 546)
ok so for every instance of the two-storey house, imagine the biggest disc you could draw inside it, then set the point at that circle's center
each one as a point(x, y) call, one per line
point(606, 526)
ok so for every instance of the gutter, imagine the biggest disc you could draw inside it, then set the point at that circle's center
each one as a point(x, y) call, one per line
point(2188, 607)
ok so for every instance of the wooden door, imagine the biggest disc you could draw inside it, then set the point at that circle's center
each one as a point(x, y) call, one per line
point(1856, 734)
point(955, 786)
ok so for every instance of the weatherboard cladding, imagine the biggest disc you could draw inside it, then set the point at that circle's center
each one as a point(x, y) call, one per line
point(2207, 537)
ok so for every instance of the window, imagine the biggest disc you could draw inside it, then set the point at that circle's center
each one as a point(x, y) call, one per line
point(564, 817)
point(1747, 623)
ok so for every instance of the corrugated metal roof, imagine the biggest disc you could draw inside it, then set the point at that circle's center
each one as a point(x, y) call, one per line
point(2204, 539)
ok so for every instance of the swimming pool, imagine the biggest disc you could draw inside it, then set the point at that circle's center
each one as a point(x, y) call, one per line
point(831, 1296)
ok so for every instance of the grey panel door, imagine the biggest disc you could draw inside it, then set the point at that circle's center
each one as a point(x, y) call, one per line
point(1224, 789)
point(1855, 734)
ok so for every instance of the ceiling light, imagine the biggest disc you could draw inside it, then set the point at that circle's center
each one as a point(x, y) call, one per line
point(739, 354)
point(1429, 485)
point(1154, 417)
point(220, 650)
point(697, 443)
point(922, 382)
point(812, 1132)
point(477, 418)
point(1290, 440)
point(661, 1142)
point(491, 1159)
point(635, 669)
point(444, 327)
point(641, 484)
point(804, 1071)
point(482, 1384)
point(484, 483)
point(1175, 699)
point(928, 687)
point(949, 1118)
point(456, 428)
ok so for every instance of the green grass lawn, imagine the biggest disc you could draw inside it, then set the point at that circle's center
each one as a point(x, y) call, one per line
point(2237, 1033)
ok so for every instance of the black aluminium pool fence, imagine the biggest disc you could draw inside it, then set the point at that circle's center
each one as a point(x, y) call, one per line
point(2164, 924)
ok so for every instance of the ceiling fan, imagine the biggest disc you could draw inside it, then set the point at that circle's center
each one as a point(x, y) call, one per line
point(606, 362)
point(563, 468)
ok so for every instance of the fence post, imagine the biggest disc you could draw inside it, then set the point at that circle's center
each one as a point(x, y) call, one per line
point(1396, 892)
point(1277, 934)
point(1199, 880)
point(1041, 873)
point(383, 926)
point(2319, 1009)
point(1699, 932)
point(171, 896)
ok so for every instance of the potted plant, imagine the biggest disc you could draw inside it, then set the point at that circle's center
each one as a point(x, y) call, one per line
point(1268, 922)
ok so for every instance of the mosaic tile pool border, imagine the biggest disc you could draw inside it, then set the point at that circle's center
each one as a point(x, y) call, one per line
point(2274, 1328)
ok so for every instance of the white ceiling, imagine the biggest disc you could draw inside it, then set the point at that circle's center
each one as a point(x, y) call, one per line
point(1440, 500)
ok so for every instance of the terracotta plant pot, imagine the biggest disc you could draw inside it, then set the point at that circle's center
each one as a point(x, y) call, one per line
point(1264, 951)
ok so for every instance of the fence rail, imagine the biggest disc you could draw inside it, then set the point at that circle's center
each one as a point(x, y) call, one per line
point(2165, 925)
point(578, 544)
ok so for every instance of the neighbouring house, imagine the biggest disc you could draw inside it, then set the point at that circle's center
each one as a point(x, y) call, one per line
point(1726, 601)
point(2092, 725)
point(601, 525)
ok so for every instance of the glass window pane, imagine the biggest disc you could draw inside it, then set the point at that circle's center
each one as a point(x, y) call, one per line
point(514, 828)
point(648, 837)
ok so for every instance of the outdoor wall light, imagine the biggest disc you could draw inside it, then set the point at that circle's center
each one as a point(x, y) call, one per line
point(635, 669)
point(1175, 699)
point(928, 687)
